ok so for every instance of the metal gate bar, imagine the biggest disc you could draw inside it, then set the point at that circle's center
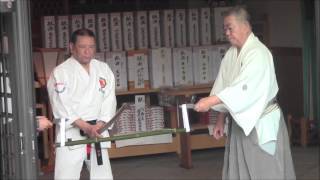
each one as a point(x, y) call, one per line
point(7, 156)
point(17, 124)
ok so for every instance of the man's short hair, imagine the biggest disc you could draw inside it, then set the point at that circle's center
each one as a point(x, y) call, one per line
point(81, 32)
point(240, 13)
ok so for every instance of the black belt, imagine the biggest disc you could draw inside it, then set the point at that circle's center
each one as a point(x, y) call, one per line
point(97, 146)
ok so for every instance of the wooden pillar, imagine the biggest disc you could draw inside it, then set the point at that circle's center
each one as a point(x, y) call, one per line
point(185, 141)
point(304, 131)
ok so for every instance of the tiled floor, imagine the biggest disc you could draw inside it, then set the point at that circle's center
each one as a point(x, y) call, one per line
point(207, 164)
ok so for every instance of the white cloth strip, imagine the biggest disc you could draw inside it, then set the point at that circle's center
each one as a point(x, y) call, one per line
point(190, 106)
point(62, 132)
point(185, 117)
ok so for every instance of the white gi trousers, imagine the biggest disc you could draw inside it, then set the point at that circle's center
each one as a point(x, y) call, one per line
point(69, 163)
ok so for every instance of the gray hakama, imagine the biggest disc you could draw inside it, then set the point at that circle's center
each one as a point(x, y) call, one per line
point(244, 159)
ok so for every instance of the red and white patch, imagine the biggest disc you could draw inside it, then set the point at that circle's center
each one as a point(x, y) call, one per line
point(59, 87)
point(102, 82)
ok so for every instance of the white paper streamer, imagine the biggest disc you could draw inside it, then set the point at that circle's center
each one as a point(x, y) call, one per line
point(62, 132)
point(185, 117)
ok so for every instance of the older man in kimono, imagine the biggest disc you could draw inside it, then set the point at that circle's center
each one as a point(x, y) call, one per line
point(246, 87)
point(82, 89)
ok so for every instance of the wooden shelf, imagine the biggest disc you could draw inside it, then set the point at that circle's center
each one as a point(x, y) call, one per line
point(142, 91)
point(199, 126)
point(198, 141)
point(172, 91)
point(49, 49)
point(188, 90)
point(205, 141)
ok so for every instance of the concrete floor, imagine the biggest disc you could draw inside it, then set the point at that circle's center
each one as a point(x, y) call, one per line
point(207, 164)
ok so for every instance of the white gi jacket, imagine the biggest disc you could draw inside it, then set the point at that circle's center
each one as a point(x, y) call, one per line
point(246, 83)
point(76, 94)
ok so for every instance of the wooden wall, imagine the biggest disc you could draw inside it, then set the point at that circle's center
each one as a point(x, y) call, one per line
point(289, 70)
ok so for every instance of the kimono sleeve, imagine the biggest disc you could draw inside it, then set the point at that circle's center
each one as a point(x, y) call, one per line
point(217, 87)
point(60, 97)
point(247, 96)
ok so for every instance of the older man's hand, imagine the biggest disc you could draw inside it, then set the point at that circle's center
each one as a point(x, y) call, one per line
point(43, 123)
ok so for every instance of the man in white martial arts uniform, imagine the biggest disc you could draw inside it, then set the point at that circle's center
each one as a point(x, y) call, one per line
point(246, 87)
point(81, 89)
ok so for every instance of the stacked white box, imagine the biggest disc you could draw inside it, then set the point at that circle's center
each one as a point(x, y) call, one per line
point(63, 31)
point(141, 22)
point(193, 27)
point(205, 26)
point(126, 124)
point(103, 32)
point(90, 22)
point(116, 32)
point(167, 25)
point(182, 66)
point(128, 30)
point(180, 27)
point(138, 69)
point(219, 34)
point(154, 29)
point(218, 54)
point(76, 22)
point(48, 26)
point(202, 64)
point(161, 67)
point(117, 61)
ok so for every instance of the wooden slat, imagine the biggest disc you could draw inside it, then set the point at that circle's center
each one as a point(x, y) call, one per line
point(205, 141)
point(144, 149)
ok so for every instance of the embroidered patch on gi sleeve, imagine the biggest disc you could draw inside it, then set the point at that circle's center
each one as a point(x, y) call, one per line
point(102, 82)
point(244, 87)
point(59, 87)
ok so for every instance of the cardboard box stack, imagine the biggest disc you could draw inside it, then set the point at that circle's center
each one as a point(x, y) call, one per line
point(202, 64)
point(218, 54)
point(172, 46)
point(63, 31)
point(90, 22)
point(161, 68)
point(154, 29)
point(117, 61)
point(116, 32)
point(48, 26)
point(205, 26)
point(76, 22)
point(128, 30)
point(182, 66)
point(167, 28)
point(193, 27)
point(138, 71)
point(103, 32)
point(141, 22)
point(181, 28)
point(126, 124)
